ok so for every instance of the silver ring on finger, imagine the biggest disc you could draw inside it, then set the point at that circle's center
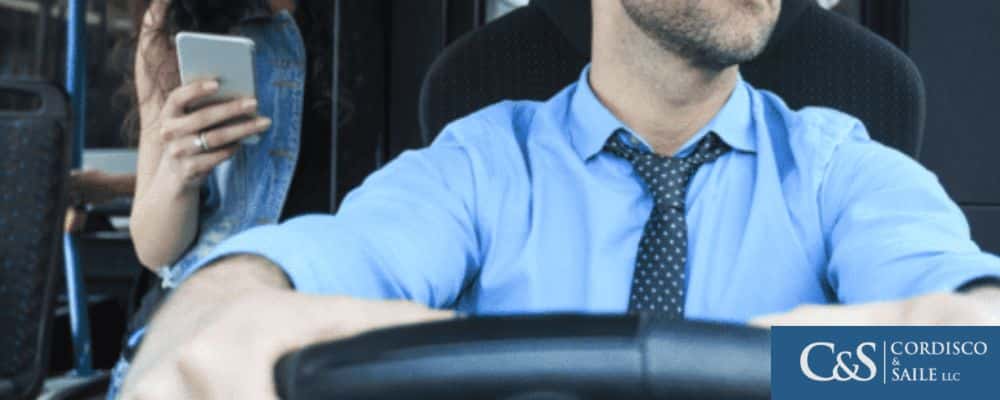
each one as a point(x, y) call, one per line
point(201, 142)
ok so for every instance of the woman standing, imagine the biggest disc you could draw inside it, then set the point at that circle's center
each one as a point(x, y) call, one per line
point(197, 185)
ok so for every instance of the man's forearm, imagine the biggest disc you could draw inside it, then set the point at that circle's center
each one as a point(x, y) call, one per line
point(214, 287)
point(222, 331)
point(202, 296)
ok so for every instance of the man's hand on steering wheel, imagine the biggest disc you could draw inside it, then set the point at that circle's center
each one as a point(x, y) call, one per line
point(979, 307)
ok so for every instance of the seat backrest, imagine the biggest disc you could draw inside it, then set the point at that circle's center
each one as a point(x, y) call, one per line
point(34, 169)
point(815, 57)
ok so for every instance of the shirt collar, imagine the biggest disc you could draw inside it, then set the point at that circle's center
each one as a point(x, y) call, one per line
point(593, 123)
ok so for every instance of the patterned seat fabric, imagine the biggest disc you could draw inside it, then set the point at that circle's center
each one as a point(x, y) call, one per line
point(34, 166)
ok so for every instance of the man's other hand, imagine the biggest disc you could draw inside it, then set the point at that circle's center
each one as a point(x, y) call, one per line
point(221, 333)
point(979, 307)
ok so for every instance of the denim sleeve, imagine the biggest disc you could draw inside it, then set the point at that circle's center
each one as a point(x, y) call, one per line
point(408, 232)
point(892, 231)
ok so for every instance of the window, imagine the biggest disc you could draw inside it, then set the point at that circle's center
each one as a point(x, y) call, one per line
point(33, 44)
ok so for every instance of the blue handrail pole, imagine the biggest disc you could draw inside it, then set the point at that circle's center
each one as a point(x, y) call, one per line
point(79, 320)
point(76, 86)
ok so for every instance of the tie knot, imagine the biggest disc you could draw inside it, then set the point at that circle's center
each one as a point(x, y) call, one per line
point(666, 178)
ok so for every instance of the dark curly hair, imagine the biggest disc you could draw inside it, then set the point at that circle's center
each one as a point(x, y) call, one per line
point(220, 16)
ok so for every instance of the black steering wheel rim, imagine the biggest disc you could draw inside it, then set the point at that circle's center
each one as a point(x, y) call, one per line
point(536, 357)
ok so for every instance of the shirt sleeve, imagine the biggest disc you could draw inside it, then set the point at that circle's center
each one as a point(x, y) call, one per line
point(407, 233)
point(892, 231)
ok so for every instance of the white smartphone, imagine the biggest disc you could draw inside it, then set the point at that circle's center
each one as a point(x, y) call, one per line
point(228, 59)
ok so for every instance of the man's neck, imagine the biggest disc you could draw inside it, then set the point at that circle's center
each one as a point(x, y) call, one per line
point(661, 96)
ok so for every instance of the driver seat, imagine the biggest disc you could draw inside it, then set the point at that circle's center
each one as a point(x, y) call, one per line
point(815, 57)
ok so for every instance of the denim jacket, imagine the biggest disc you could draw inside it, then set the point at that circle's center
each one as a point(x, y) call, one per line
point(250, 188)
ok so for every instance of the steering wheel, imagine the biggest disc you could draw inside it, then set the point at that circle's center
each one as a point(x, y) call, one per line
point(536, 357)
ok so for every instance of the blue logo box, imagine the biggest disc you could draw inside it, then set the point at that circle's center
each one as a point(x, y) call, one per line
point(885, 363)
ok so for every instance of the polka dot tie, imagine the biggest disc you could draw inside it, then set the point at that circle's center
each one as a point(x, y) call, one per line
point(658, 282)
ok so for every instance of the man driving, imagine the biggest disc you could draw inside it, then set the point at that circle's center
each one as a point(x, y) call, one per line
point(659, 182)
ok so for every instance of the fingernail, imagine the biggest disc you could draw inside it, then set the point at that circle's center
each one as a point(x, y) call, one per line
point(210, 85)
point(262, 122)
point(248, 104)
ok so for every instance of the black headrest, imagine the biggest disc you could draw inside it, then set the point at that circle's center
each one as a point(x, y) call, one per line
point(815, 57)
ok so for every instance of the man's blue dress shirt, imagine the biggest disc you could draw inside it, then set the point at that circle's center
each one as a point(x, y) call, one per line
point(516, 209)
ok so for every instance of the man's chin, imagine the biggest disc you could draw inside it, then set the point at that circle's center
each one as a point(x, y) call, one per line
point(719, 60)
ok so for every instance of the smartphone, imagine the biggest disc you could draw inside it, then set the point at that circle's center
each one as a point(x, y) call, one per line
point(227, 59)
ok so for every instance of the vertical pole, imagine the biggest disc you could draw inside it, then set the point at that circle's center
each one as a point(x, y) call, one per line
point(76, 86)
point(335, 103)
point(44, 9)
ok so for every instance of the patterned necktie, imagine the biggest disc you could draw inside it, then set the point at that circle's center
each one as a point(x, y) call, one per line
point(659, 276)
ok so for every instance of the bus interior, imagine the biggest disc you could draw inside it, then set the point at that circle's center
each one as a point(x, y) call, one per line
point(919, 73)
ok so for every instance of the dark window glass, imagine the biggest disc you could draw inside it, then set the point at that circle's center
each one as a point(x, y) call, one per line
point(33, 45)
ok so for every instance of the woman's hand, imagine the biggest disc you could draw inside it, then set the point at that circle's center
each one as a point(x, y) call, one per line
point(194, 143)
point(176, 151)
